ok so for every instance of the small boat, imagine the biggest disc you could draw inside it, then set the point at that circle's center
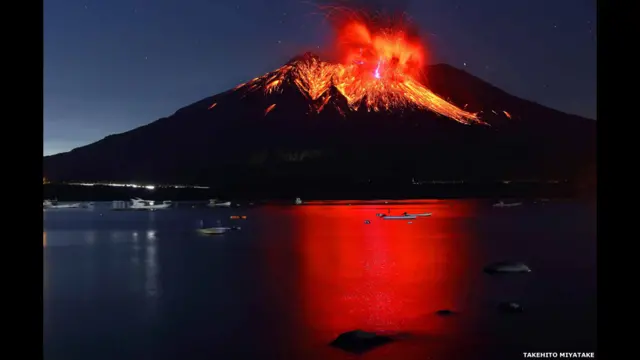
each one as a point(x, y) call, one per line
point(215, 203)
point(380, 215)
point(398, 217)
point(214, 230)
point(298, 201)
point(139, 204)
point(503, 204)
point(510, 307)
point(417, 215)
point(53, 204)
point(504, 267)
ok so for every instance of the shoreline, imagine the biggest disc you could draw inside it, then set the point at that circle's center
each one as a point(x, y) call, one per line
point(498, 191)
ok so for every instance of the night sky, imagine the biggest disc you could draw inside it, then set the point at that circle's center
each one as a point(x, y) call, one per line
point(111, 66)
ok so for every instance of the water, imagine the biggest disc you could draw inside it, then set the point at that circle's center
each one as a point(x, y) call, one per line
point(145, 285)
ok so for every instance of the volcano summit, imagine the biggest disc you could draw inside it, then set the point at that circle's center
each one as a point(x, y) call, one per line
point(301, 125)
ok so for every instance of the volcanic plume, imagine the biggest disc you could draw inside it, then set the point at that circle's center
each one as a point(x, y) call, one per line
point(380, 64)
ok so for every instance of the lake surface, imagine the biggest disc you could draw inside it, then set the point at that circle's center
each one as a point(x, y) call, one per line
point(145, 285)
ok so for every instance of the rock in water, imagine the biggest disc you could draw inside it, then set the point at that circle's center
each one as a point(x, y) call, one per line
point(445, 312)
point(358, 341)
point(510, 307)
point(505, 267)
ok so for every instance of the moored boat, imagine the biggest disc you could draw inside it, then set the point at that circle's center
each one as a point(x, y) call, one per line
point(418, 215)
point(140, 204)
point(214, 230)
point(503, 204)
point(215, 203)
point(54, 204)
point(398, 217)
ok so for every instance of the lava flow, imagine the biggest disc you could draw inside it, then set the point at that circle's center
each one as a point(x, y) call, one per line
point(380, 66)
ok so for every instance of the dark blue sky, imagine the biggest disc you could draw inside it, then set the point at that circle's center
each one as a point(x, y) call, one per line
point(110, 66)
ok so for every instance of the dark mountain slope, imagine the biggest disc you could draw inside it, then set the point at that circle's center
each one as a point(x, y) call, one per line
point(247, 136)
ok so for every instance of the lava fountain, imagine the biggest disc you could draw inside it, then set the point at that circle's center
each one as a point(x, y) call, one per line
point(380, 65)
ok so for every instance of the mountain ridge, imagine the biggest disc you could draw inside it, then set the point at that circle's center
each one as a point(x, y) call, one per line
point(230, 130)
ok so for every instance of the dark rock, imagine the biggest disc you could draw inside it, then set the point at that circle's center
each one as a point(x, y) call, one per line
point(445, 312)
point(358, 341)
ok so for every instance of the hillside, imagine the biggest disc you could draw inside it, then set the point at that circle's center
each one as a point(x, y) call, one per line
point(294, 132)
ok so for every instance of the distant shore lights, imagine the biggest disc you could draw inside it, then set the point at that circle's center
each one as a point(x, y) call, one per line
point(137, 186)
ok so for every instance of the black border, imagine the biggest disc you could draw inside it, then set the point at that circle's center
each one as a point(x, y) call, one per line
point(615, 106)
point(36, 285)
point(23, 149)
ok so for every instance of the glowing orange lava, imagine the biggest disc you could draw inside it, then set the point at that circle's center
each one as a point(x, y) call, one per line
point(269, 108)
point(379, 69)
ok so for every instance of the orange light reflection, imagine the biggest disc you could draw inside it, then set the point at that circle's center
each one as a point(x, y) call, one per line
point(385, 276)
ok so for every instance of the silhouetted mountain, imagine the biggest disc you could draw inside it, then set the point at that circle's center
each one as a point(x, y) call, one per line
point(282, 128)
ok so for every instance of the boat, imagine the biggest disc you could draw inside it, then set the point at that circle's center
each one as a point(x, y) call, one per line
point(398, 217)
point(214, 230)
point(215, 203)
point(417, 215)
point(298, 201)
point(53, 204)
point(503, 204)
point(140, 204)
point(504, 267)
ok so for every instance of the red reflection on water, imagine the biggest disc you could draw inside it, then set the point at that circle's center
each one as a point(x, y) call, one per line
point(385, 276)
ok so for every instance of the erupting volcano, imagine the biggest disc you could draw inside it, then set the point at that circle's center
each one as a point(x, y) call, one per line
point(381, 63)
point(374, 114)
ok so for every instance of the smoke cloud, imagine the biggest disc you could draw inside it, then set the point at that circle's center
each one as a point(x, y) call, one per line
point(388, 7)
